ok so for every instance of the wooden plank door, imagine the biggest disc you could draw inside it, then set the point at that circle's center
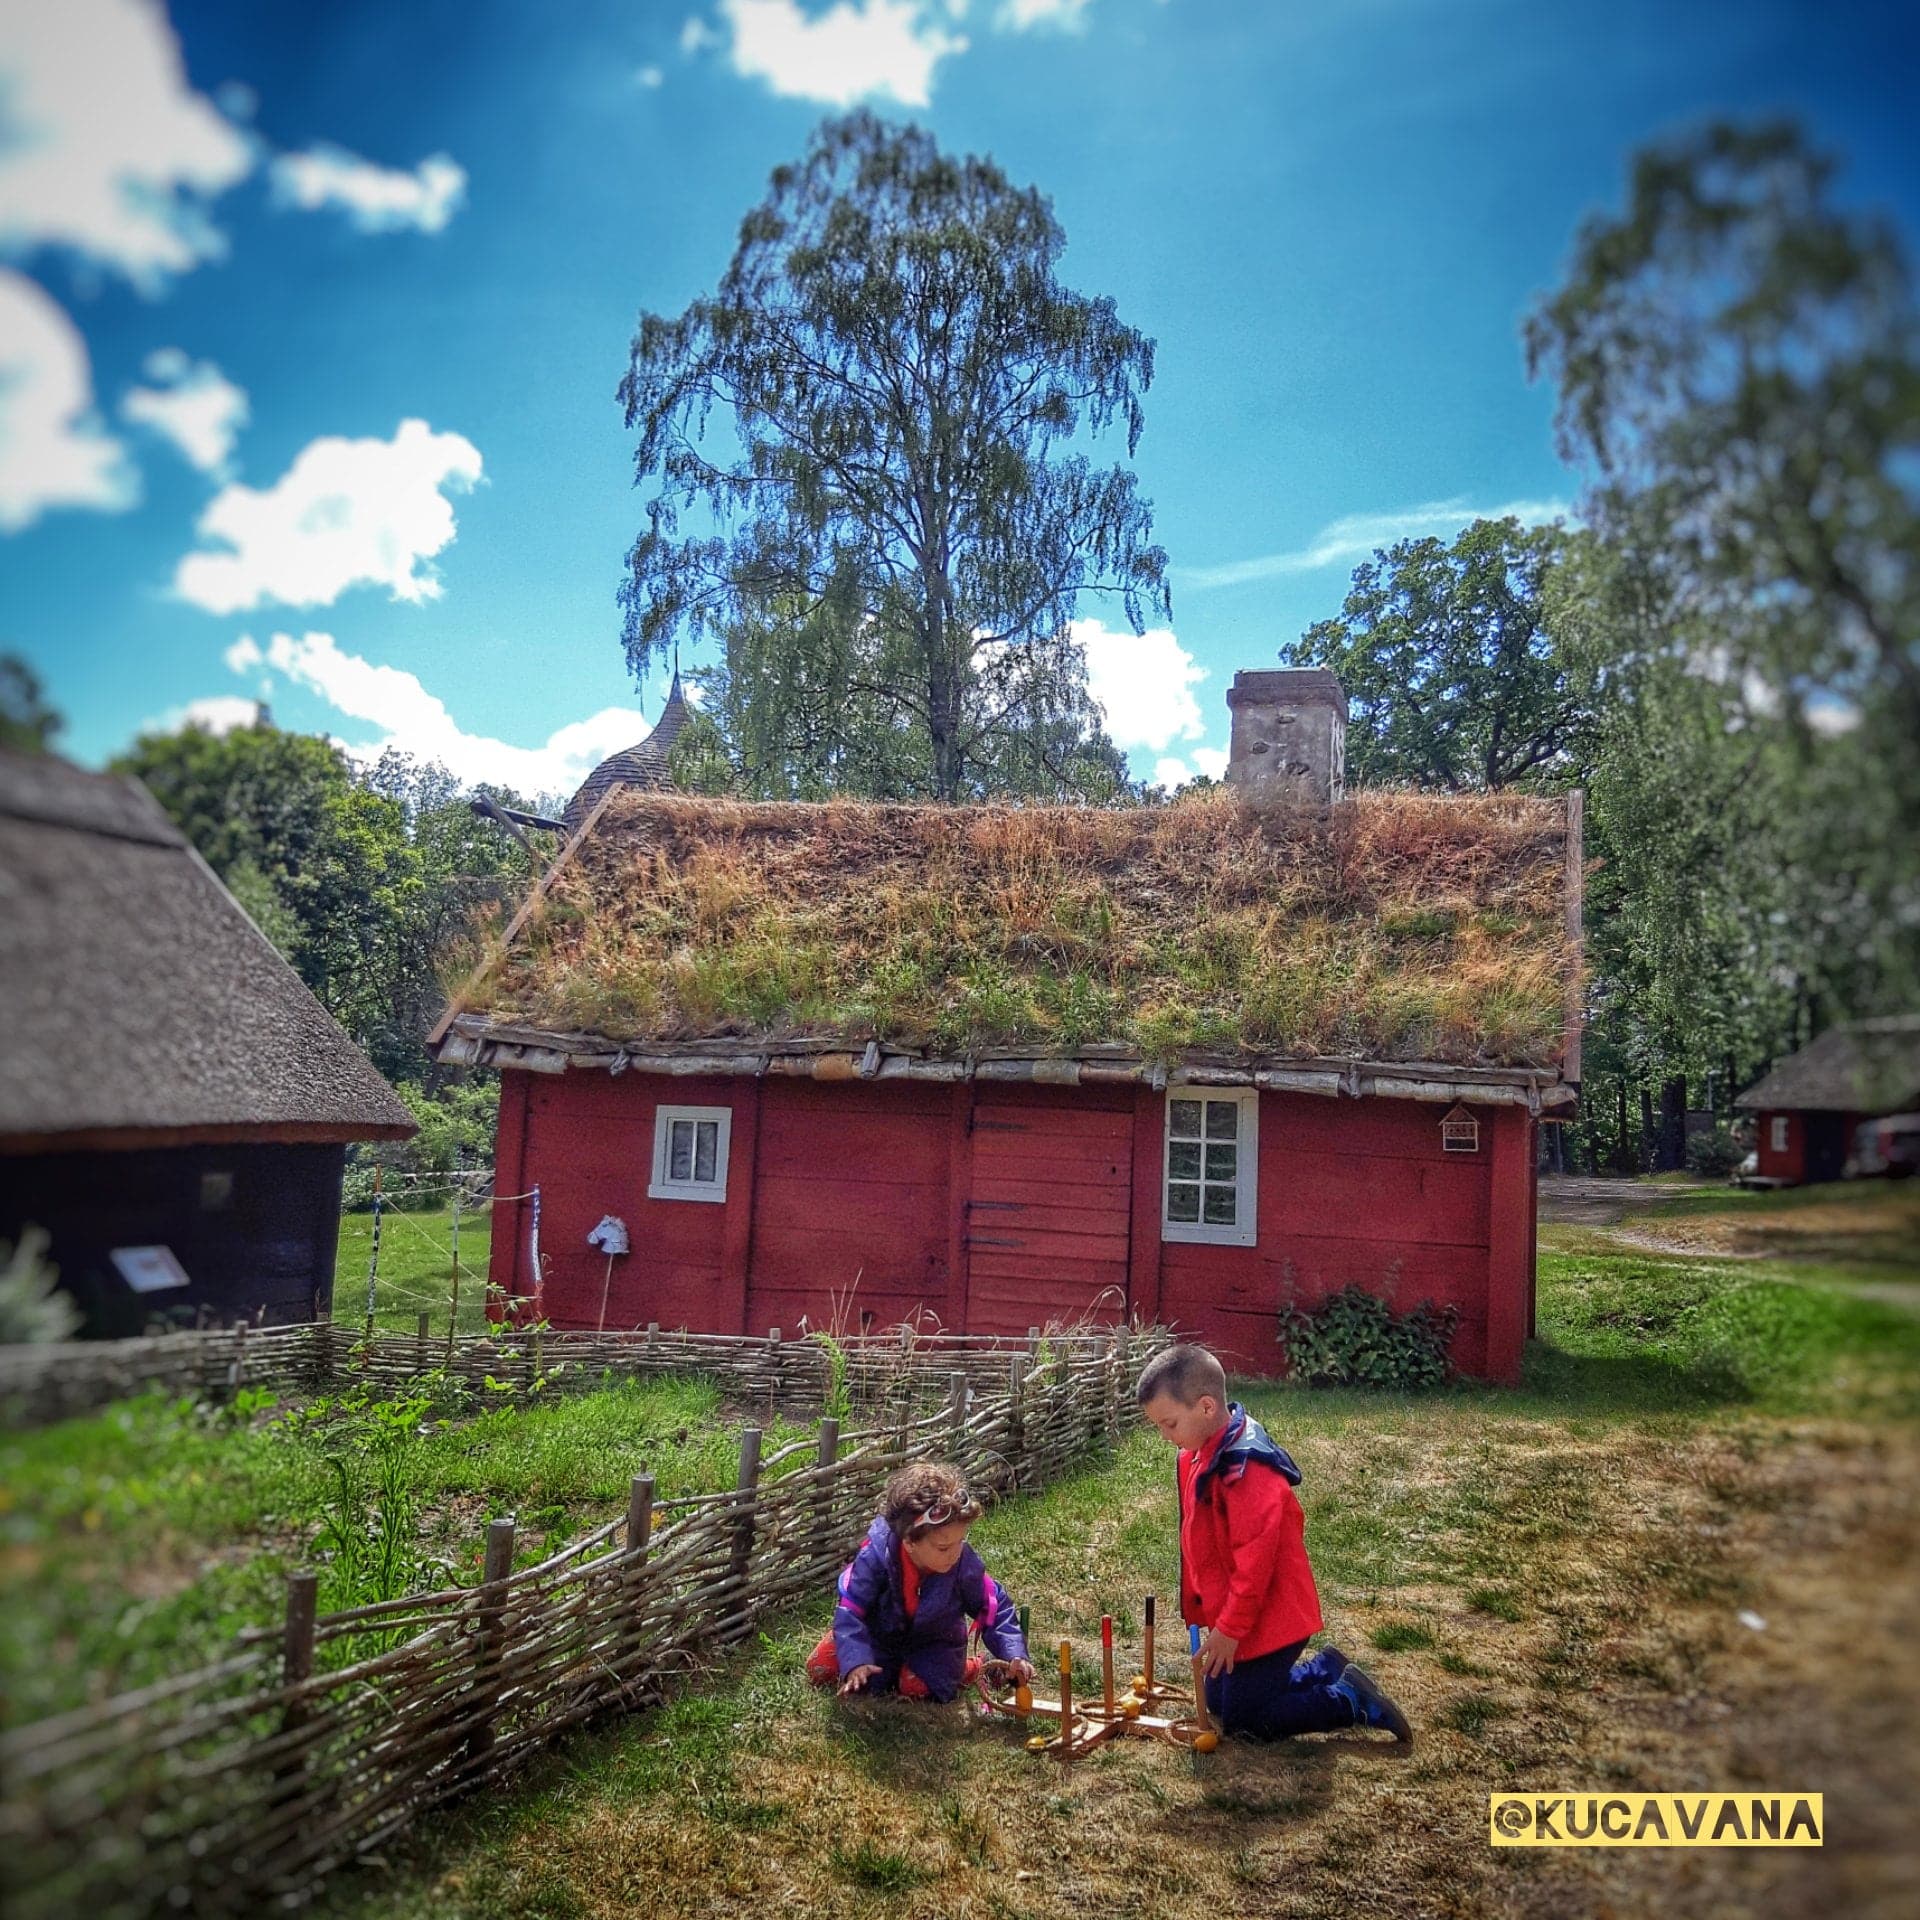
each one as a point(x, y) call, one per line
point(1047, 1216)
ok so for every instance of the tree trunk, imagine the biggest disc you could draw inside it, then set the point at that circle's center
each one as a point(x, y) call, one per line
point(1623, 1151)
point(1671, 1155)
point(1648, 1137)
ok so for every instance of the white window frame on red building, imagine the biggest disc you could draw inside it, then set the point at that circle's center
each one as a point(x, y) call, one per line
point(1244, 1229)
point(663, 1185)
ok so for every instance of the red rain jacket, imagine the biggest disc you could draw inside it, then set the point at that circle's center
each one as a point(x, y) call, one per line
point(1243, 1550)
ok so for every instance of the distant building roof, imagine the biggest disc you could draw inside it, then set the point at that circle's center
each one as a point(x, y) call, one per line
point(137, 999)
point(1867, 1066)
point(647, 765)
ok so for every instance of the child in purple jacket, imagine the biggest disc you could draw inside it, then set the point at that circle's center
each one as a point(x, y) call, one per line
point(908, 1594)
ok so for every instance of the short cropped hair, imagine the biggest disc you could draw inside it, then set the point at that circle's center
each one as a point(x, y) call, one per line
point(923, 1488)
point(1185, 1374)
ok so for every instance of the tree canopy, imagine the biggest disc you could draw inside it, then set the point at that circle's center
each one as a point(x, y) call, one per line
point(1453, 676)
point(27, 723)
point(868, 484)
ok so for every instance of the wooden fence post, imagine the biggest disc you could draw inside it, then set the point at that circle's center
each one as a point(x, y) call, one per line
point(1017, 1416)
point(296, 1665)
point(491, 1638)
point(823, 1499)
point(639, 1517)
point(422, 1334)
point(773, 1373)
point(237, 1366)
point(748, 1500)
point(956, 1416)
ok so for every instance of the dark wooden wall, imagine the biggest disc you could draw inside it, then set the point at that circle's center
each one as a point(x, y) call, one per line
point(269, 1245)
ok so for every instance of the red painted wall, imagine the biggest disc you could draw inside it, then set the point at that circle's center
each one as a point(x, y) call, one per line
point(1783, 1163)
point(996, 1208)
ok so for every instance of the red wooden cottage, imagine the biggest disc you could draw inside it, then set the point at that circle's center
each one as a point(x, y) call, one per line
point(1812, 1103)
point(853, 1063)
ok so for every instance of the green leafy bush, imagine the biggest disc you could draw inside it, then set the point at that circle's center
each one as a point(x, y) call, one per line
point(1715, 1154)
point(1354, 1339)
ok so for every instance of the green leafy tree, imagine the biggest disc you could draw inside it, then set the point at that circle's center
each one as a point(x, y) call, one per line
point(867, 482)
point(1453, 674)
point(1737, 365)
point(1736, 361)
point(27, 723)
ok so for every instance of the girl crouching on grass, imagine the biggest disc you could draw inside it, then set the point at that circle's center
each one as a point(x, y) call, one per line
point(908, 1594)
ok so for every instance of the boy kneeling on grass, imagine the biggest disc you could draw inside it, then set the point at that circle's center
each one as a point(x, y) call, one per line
point(1244, 1574)
point(908, 1594)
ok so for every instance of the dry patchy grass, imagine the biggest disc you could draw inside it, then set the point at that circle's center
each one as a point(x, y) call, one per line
point(1616, 1660)
point(1398, 926)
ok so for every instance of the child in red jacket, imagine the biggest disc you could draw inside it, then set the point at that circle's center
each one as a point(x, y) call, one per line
point(1244, 1574)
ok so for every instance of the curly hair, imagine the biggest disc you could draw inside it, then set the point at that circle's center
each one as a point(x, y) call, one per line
point(926, 1487)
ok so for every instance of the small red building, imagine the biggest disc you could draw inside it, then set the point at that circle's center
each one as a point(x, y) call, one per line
point(1809, 1106)
point(848, 1064)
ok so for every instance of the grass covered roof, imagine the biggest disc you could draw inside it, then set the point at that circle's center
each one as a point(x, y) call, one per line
point(1394, 927)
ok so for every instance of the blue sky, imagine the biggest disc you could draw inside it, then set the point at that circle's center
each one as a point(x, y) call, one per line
point(311, 316)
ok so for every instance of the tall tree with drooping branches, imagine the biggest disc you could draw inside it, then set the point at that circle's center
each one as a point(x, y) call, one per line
point(869, 448)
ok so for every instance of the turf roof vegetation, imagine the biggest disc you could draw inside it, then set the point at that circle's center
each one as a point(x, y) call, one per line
point(1393, 927)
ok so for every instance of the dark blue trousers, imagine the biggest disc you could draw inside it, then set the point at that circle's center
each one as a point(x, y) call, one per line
point(1280, 1694)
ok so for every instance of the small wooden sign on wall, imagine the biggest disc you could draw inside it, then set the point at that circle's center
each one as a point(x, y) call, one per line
point(1459, 1131)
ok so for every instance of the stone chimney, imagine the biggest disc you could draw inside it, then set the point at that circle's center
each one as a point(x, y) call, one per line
point(1289, 736)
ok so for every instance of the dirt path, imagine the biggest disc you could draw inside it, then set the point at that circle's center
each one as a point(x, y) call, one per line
point(1590, 1200)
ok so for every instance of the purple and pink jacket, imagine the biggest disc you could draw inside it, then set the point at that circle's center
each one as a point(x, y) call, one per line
point(872, 1628)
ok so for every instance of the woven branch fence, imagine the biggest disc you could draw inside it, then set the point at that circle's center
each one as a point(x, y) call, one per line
point(237, 1787)
point(40, 1384)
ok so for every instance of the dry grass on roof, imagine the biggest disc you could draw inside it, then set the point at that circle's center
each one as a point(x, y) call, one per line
point(1400, 927)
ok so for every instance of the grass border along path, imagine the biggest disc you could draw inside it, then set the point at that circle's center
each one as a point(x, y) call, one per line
point(1551, 1579)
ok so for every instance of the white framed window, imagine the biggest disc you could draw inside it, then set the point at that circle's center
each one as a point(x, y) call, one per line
point(1779, 1133)
point(690, 1153)
point(1207, 1186)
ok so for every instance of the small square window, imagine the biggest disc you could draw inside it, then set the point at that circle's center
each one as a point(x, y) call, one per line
point(690, 1153)
point(1209, 1180)
point(216, 1190)
point(1780, 1124)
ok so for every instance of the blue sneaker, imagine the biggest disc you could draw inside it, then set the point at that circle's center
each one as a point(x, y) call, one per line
point(1371, 1707)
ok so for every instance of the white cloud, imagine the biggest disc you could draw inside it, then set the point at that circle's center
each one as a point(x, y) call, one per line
point(855, 50)
point(347, 513)
point(417, 722)
point(650, 78)
point(1144, 682)
point(195, 406)
point(1169, 772)
point(1356, 536)
point(1212, 761)
point(54, 452)
point(107, 148)
point(376, 199)
point(217, 713)
point(696, 36)
point(1019, 15)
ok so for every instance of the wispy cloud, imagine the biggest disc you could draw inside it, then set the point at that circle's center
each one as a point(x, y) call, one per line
point(408, 717)
point(1358, 534)
point(347, 513)
point(855, 50)
point(375, 199)
point(1144, 683)
point(110, 152)
point(54, 451)
point(193, 404)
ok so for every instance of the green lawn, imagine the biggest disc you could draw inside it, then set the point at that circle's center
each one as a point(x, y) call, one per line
point(1551, 1579)
point(416, 1269)
point(135, 1541)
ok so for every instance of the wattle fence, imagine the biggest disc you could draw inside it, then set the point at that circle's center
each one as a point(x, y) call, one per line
point(236, 1787)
